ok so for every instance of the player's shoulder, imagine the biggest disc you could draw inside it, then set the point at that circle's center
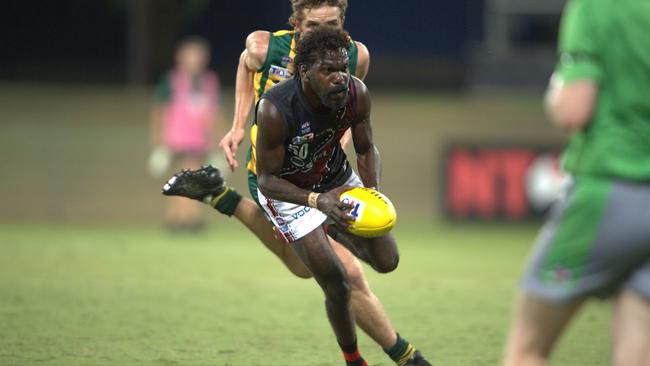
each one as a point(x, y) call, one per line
point(360, 46)
point(359, 86)
point(258, 37)
point(362, 96)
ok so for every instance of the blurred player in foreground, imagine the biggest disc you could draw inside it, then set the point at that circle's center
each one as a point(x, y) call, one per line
point(183, 120)
point(267, 60)
point(597, 240)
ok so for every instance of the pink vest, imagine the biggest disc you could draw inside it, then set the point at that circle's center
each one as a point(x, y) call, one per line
point(190, 114)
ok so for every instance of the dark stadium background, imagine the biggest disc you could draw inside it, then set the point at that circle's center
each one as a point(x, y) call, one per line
point(438, 75)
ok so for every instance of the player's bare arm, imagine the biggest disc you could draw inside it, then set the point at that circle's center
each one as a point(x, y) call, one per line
point(570, 106)
point(270, 158)
point(363, 61)
point(368, 161)
point(251, 59)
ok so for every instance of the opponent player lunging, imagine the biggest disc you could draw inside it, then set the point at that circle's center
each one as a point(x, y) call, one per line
point(268, 59)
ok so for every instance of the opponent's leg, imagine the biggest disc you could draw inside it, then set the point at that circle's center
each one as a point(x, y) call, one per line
point(536, 326)
point(207, 185)
point(321, 260)
point(631, 330)
point(249, 214)
point(370, 315)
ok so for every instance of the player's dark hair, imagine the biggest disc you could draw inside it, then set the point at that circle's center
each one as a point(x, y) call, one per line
point(319, 41)
point(299, 6)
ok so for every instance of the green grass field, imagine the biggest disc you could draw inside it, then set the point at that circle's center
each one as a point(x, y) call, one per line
point(122, 295)
point(87, 278)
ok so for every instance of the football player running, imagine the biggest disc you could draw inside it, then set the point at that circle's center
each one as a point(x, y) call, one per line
point(311, 112)
point(267, 60)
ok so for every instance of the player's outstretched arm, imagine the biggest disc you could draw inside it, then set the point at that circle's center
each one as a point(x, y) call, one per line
point(571, 106)
point(363, 61)
point(368, 161)
point(250, 60)
point(270, 158)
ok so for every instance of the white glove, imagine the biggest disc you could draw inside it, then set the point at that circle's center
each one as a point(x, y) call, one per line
point(159, 161)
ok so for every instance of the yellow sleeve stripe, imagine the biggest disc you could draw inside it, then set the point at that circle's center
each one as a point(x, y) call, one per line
point(281, 33)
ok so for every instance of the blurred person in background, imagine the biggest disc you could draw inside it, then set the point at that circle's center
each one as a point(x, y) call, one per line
point(184, 117)
point(267, 60)
point(596, 242)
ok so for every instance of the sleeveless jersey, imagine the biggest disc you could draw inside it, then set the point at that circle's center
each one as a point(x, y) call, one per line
point(314, 158)
point(278, 66)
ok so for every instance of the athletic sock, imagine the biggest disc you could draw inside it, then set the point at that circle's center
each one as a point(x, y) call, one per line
point(226, 202)
point(352, 355)
point(401, 352)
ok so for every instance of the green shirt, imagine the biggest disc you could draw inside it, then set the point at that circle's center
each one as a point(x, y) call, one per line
point(608, 41)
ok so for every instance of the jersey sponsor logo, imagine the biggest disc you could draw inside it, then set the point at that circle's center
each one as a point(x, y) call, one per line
point(298, 140)
point(286, 60)
point(279, 72)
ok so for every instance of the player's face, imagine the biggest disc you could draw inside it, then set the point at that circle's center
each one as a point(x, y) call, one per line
point(192, 58)
point(324, 15)
point(330, 78)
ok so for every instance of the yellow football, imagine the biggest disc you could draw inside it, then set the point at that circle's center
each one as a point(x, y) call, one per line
point(374, 213)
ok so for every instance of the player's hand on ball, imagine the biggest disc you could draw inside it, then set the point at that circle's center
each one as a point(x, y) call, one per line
point(330, 204)
point(230, 143)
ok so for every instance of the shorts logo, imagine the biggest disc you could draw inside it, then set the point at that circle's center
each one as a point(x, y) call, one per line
point(283, 226)
point(300, 213)
point(279, 72)
point(558, 275)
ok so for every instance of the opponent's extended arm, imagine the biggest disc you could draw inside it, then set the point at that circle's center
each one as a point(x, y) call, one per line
point(571, 106)
point(270, 158)
point(368, 161)
point(251, 59)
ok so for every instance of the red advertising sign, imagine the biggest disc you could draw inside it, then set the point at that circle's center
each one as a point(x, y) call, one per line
point(488, 182)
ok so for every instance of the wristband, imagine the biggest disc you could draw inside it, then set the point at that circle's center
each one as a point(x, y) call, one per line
point(312, 199)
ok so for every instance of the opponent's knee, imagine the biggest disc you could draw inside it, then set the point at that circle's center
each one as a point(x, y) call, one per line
point(355, 275)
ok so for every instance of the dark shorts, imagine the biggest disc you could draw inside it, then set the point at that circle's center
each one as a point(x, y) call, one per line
point(595, 242)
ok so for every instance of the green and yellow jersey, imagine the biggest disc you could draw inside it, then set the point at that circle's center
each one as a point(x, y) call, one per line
point(278, 66)
point(607, 41)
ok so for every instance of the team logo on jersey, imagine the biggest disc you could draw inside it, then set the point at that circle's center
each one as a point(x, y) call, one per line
point(305, 127)
point(286, 60)
point(302, 139)
point(279, 72)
